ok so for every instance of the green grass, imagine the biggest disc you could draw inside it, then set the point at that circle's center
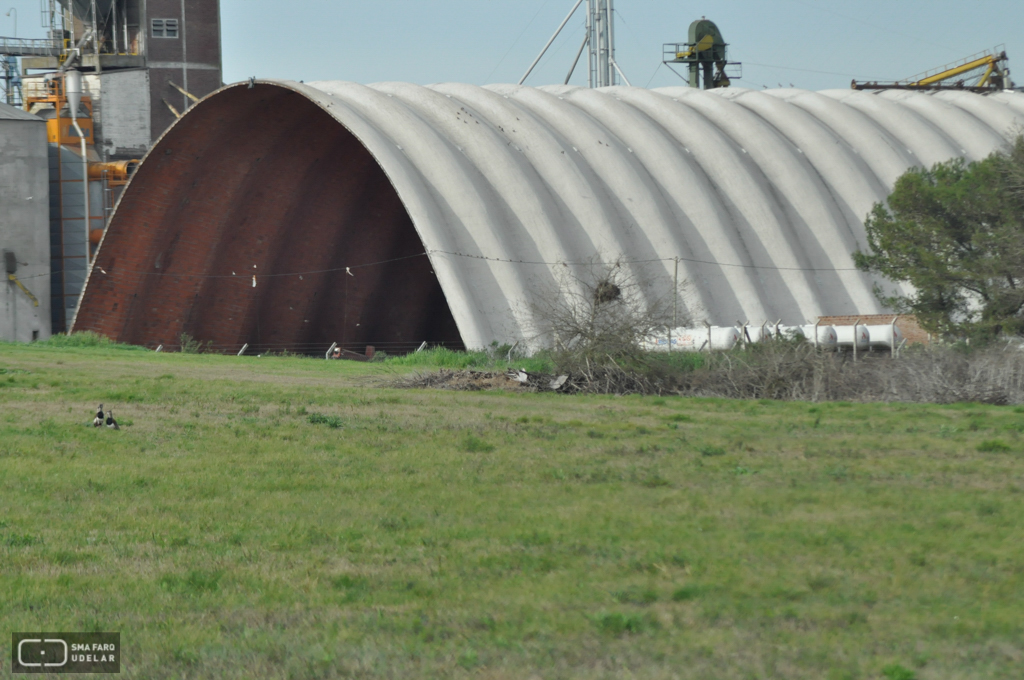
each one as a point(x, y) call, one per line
point(231, 531)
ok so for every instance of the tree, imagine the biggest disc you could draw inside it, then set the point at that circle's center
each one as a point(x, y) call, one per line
point(956, 234)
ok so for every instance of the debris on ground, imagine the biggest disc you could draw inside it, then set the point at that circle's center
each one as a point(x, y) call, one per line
point(469, 380)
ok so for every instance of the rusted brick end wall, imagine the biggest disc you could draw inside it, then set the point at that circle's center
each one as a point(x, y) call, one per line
point(261, 182)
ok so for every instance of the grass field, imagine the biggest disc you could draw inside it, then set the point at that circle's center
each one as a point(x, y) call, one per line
point(293, 518)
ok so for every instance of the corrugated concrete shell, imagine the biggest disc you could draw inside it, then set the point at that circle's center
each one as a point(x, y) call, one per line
point(760, 194)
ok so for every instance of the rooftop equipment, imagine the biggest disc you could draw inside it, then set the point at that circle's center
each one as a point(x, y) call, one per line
point(706, 55)
point(983, 72)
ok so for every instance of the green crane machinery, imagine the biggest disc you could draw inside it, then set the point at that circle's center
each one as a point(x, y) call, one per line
point(705, 54)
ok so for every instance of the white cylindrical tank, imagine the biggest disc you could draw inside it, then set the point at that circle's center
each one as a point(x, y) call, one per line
point(885, 337)
point(689, 339)
point(724, 337)
point(845, 336)
point(683, 340)
point(788, 332)
point(757, 333)
point(827, 337)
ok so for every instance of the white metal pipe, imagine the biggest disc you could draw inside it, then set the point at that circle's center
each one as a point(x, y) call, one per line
point(548, 46)
point(610, 9)
point(95, 37)
point(85, 185)
point(73, 94)
point(591, 43)
point(113, 32)
point(605, 53)
point(586, 41)
point(624, 78)
point(184, 55)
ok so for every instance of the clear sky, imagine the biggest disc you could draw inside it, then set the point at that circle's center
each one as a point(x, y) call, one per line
point(815, 44)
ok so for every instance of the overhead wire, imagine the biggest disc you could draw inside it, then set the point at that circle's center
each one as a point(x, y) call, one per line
point(516, 42)
point(563, 40)
point(246, 277)
point(886, 30)
point(807, 70)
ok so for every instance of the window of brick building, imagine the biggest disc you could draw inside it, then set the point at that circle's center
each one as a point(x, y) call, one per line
point(164, 28)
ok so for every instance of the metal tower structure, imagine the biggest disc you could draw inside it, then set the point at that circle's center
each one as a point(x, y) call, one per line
point(706, 56)
point(600, 39)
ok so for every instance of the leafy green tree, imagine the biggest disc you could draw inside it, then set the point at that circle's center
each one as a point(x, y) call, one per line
point(956, 234)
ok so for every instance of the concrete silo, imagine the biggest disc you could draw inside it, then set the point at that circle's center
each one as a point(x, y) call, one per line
point(24, 226)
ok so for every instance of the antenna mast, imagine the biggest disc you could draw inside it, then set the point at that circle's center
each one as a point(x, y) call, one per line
point(601, 42)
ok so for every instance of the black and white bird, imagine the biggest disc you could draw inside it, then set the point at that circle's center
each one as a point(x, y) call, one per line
point(111, 423)
point(98, 420)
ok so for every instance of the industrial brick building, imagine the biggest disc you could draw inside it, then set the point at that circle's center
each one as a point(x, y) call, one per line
point(137, 57)
point(142, 64)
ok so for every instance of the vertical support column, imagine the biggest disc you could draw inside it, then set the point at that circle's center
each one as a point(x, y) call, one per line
point(95, 38)
point(610, 11)
point(184, 57)
point(602, 46)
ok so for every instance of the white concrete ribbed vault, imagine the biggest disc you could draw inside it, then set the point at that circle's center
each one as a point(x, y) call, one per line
point(761, 194)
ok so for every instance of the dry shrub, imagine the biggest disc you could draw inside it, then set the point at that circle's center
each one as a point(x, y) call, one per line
point(597, 317)
point(792, 371)
point(789, 371)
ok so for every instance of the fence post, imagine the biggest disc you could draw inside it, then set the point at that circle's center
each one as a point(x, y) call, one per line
point(895, 349)
point(675, 303)
point(855, 324)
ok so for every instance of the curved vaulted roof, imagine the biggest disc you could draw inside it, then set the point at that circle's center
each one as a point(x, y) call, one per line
point(761, 196)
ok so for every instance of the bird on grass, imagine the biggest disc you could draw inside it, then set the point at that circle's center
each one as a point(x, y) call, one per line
point(98, 420)
point(111, 423)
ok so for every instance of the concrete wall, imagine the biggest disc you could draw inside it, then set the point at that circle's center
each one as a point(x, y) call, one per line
point(124, 131)
point(121, 113)
point(24, 220)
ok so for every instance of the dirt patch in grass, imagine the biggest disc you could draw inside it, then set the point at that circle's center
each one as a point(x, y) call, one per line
point(467, 381)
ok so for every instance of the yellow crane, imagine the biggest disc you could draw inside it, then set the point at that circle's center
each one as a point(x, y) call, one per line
point(982, 72)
